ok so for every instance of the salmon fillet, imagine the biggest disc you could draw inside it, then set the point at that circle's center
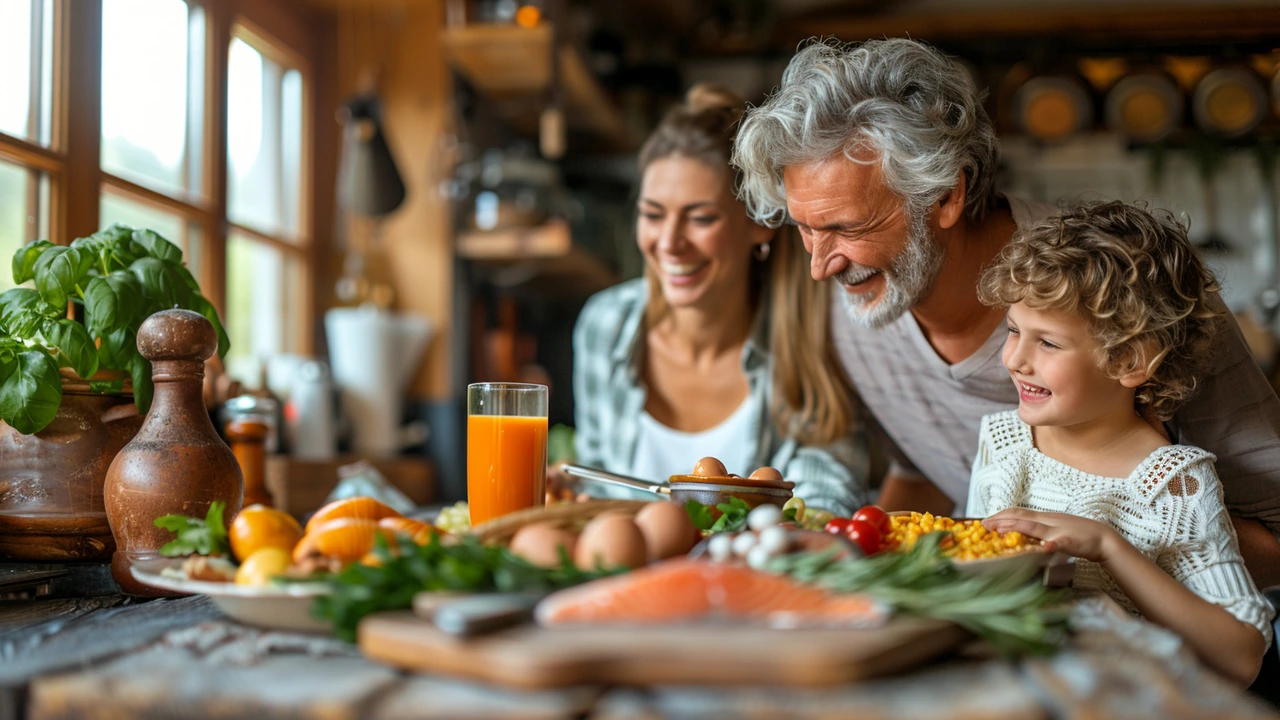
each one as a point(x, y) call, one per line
point(681, 590)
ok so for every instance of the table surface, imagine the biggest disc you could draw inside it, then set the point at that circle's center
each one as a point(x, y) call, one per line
point(118, 657)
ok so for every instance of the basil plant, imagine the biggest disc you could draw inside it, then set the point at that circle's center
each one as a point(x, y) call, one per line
point(114, 280)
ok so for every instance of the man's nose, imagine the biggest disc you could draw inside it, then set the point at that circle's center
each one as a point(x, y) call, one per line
point(826, 262)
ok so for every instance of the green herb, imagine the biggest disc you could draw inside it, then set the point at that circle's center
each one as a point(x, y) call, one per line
point(1009, 610)
point(195, 536)
point(114, 280)
point(408, 569)
point(733, 515)
point(560, 445)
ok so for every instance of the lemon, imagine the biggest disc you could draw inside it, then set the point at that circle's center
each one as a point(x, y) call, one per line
point(262, 565)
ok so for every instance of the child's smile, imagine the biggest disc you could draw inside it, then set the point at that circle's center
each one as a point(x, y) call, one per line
point(1055, 364)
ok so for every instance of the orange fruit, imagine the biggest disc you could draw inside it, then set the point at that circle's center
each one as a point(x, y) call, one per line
point(418, 530)
point(356, 507)
point(259, 526)
point(348, 539)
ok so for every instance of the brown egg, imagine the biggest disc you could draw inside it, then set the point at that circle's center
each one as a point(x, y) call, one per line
point(667, 530)
point(766, 473)
point(610, 540)
point(540, 544)
point(710, 467)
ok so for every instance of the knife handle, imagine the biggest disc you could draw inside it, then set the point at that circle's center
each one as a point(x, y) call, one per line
point(481, 614)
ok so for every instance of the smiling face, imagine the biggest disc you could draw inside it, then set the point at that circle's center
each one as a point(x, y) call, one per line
point(695, 237)
point(863, 236)
point(1056, 365)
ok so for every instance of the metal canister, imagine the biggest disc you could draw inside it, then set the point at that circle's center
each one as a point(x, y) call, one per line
point(311, 417)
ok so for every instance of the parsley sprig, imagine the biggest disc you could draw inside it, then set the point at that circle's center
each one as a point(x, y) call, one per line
point(196, 536)
point(733, 515)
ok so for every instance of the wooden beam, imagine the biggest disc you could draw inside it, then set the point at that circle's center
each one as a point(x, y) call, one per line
point(30, 154)
point(80, 95)
point(1125, 21)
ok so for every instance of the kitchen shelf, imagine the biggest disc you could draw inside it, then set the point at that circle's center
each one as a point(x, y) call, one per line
point(549, 240)
point(510, 63)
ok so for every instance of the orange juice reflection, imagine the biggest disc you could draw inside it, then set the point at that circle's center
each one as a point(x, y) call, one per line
point(506, 464)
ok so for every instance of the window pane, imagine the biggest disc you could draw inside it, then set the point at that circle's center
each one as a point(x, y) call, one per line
point(146, 62)
point(264, 305)
point(22, 213)
point(116, 208)
point(26, 69)
point(264, 141)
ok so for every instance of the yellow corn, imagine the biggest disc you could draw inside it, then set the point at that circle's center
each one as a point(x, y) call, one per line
point(971, 541)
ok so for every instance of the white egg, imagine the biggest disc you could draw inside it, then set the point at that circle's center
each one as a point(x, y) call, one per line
point(759, 557)
point(720, 547)
point(764, 516)
point(743, 543)
point(773, 539)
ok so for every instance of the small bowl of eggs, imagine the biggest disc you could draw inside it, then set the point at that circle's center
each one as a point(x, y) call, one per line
point(710, 483)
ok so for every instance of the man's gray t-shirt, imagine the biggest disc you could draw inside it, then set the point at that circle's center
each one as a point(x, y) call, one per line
point(927, 413)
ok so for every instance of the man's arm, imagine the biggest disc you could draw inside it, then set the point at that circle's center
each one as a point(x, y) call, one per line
point(913, 492)
point(1260, 550)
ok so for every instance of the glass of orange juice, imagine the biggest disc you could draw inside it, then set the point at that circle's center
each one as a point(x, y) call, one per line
point(506, 448)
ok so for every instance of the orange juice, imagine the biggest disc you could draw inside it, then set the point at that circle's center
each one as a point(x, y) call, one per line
point(506, 464)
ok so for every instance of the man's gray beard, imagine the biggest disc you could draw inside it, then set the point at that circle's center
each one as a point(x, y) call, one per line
point(906, 282)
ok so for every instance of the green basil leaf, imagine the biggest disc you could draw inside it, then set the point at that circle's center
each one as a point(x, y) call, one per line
point(143, 388)
point(58, 271)
point(204, 307)
point(23, 312)
point(157, 247)
point(30, 391)
point(160, 283)
point(699, 514)
point(188, 278)
point(24, 261)
point(112, 302)
point(114, 235)
point(106, 387)
point(74, 344)
point(118, 349)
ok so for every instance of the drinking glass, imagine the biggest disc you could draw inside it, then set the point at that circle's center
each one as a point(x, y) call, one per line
point(506, 448)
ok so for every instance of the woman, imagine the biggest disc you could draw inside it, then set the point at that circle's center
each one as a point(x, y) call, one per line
point(721, 349)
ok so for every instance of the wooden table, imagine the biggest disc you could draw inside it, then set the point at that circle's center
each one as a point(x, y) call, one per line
point(114, 657)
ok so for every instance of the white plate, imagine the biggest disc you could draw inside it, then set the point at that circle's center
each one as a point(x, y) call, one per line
point(283, 607)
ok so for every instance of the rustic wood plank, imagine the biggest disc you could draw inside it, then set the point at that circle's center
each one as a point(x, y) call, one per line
point(991, 690)
point(18, 618)
point(176, 682)
point(430, 698)
point(78, 639)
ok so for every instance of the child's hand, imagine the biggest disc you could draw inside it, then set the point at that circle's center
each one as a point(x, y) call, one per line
point(1075, 536)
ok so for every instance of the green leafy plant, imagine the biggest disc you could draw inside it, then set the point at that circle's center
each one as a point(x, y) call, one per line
point(405, 569)
point(196, 536)
point(112, 281)
point(733, 515)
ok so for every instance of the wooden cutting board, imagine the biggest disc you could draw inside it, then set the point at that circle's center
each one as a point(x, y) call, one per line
point(532, 657)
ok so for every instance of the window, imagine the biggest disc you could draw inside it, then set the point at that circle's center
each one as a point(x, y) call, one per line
point(159, 78)
point(266, 257)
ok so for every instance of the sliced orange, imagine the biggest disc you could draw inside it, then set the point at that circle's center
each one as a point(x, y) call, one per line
point(357, 507)
point(418, 530)
point(348, 539)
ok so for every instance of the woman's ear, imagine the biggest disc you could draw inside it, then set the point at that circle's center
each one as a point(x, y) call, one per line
point(951, 206)
point(761, 234)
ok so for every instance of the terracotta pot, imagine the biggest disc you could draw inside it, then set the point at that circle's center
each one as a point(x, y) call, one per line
point(51, 483)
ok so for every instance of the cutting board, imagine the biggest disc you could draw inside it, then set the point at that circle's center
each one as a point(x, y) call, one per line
point(533, 657)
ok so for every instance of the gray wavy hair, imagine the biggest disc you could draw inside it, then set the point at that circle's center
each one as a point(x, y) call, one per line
point(917, 108)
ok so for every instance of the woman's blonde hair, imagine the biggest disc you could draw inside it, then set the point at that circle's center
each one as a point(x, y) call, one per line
point(811, 398)
point(1134, 278)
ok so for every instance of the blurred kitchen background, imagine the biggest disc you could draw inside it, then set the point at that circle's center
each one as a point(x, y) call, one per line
point(388, 199)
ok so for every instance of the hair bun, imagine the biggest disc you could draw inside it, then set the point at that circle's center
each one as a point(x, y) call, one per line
point(706, 96)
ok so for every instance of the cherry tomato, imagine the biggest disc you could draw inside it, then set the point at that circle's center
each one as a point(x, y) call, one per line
point(865, 535)
point(876, 516)
point(838, 526)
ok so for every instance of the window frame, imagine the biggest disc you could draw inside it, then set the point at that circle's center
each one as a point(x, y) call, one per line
point(72, 161)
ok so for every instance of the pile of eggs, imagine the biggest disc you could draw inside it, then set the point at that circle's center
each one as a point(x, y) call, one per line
point(658, 531)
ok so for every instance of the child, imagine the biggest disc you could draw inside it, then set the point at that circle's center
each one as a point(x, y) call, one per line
point(1108, 329)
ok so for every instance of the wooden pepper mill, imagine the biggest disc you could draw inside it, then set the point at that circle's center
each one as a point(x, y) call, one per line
point(248, 438)
point(176, 463)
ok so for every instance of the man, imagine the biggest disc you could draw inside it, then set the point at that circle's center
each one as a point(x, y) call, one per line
point(883, 156)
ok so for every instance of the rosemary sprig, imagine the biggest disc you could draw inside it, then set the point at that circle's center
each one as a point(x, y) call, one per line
point(1010, 611)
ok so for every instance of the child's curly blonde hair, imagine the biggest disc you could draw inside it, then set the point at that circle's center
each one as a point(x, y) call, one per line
point(1134, 277)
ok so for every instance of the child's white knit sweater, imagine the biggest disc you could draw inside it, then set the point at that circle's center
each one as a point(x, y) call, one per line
point(1170, 508)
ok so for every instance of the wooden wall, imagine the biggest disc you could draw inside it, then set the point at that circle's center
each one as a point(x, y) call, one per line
point(400, 42)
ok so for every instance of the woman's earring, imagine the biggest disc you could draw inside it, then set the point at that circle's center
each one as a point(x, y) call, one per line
point(761, 251)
